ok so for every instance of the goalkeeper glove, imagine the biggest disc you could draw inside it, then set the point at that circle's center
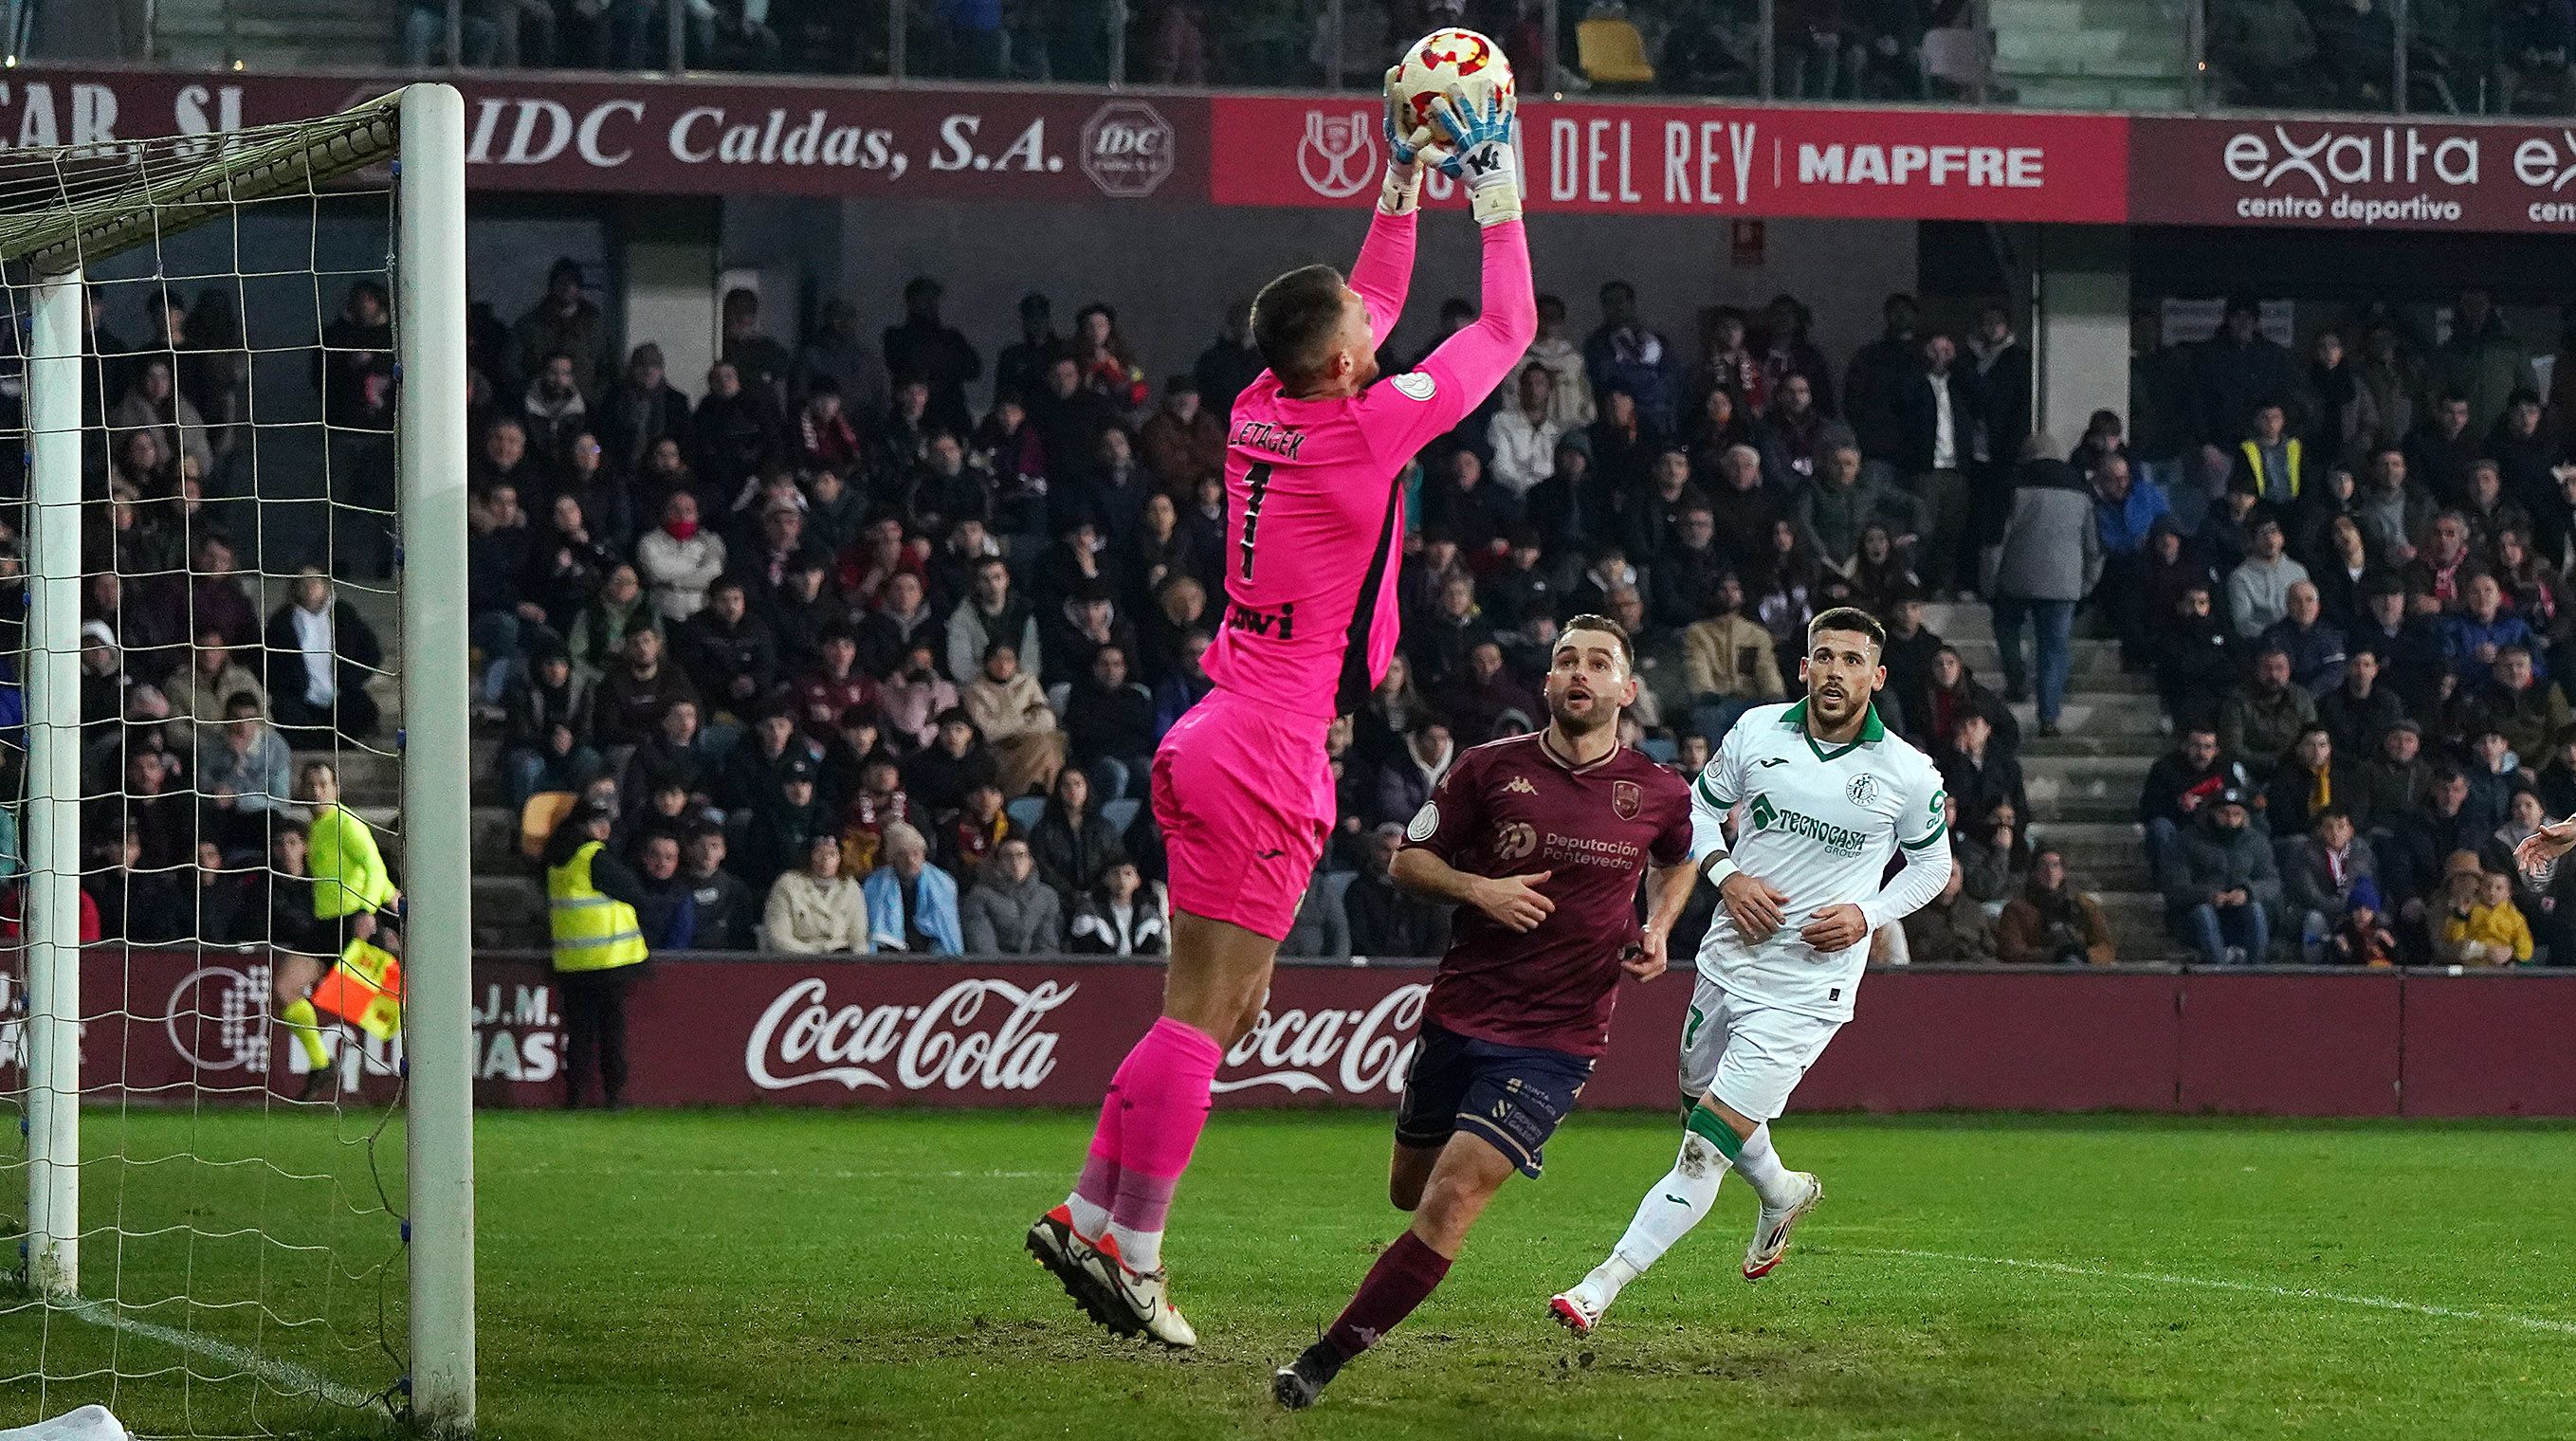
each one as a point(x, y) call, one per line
point(1403, 188)
point(1480, 153)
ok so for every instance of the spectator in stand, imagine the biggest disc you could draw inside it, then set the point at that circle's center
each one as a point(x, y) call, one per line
point(640, 412)
point(1874, 384)
point(1524, 436)
point(2322, 871)
point(1108, 366)
point(1908, 655)
point(1795, 436)
point(1954, 695)
point(2481, 632)
point(1744, 508)
point(1404, 784)
point(2126, 511)
point(2052, 555)
point(627, 705)
point(2411, 648)
point(1184, 440)
point(618, 610)
point(1123, 916)
point(1846, 499)
point(2315, 647)
point(823, 438)
point(545, 717)
point(2489, 929)
point(939, 776)
point(836, 353)
point(1937, 417)
point(734, 435)
point(2220, 885)
point(2442, 447)
point(2238, 368)
point(2361, 710)
point(1109, 720)
point(154, 404)
point(202, 694)
point(500, 549)
point(552, 411)
point(245, 782)
point(571, 565)
point(2530, 712)
point(2266, 715)
point(667, 914)
point(1072, 842)
point(901, 622)
point(679, 560)
point(911, 904)
point(993, 614)
point(1623, 352)
point(1486, 701)
point(1382, 919)
point(2436, 580)
point(564, 322)
point(2051, 922)
point(1185, 684)
point(730, 654)
point(2309, 780)
point(1569, 392)
point(966, 839)
point(1951, 929)
point(1011, 912)
point(1686, 574)
point(2271, 463)
point(2482, 361)
point(320, 655)
point(2180, 784)
point(835, 687)
point(816, 910)
point(1007, 705)
point(1020, 367)
point(677, 757)
point(1230, 362)
point(1321, 931)
point(2258, 590)
point(937, 354)
point(1981, 774)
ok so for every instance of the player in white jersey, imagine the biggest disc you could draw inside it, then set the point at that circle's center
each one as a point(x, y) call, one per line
point(1826, 796)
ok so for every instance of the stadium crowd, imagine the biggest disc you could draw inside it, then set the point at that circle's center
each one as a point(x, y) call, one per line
point(868, 644)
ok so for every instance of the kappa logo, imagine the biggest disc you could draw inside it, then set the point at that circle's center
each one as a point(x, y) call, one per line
point(1520, 786)
point(1338, 153)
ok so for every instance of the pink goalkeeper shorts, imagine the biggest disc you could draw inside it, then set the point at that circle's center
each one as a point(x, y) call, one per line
point(1244, 798)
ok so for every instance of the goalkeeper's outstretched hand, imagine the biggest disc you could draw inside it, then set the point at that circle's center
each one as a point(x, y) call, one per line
point(1479, 152)
point(1403, 186)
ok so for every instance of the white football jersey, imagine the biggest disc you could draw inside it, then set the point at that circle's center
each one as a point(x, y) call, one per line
point(1819, 823)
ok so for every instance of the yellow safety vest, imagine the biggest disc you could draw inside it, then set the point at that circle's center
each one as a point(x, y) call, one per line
point(592, 931)
point(2289, 460)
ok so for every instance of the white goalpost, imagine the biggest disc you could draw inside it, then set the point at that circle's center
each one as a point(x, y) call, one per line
point(214, 1239)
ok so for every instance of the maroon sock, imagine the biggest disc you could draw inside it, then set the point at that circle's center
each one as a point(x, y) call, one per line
point(1404, 1277)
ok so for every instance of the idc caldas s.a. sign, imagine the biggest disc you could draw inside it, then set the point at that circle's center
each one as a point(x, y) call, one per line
point(2417, 176)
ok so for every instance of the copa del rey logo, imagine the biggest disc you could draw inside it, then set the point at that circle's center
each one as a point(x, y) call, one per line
point(1338, 154)
point(1349, 1050)
point(980, 1035)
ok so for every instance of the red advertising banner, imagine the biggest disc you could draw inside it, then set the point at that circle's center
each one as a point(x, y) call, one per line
point(183, 1027)
point(2354, 172)
point(1708, 160)
point(636, 136)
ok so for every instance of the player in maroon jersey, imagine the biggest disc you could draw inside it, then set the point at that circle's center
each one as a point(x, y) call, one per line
point(1540, 841)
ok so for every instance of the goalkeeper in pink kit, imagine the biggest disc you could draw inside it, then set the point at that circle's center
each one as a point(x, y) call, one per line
point(1315, 531)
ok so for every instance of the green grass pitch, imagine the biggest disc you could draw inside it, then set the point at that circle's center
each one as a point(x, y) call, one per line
point(780, 1276)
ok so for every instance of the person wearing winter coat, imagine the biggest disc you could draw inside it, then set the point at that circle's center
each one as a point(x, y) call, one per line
point(679, 559)
point(815, 910)
point(1122, 916)
point(912, 904)
point(1010, 912)
point(2220, 886)
point(2050, 558)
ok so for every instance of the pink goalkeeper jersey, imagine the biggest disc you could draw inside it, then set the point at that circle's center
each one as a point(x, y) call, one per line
point(1315, 496)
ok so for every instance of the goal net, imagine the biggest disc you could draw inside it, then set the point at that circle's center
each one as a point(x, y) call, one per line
point(235, 1149)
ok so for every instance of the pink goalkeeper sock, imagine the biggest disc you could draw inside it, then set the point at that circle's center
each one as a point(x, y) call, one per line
point(1163, 1089)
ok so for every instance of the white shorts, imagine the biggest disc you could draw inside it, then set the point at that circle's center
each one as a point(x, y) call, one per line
point(1749, 1056)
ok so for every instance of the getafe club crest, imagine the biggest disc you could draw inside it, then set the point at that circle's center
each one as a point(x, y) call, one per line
point(1862, 789)
point(1625, 799)
point(1338, 155)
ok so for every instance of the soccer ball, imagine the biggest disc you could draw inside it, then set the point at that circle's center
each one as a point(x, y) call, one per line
point(1443, 59)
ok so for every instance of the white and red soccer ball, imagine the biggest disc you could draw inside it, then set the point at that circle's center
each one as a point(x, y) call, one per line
point(1439, 62)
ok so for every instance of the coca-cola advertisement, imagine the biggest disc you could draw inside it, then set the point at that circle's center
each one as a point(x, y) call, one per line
point(1707, 160)
point(173, 1027)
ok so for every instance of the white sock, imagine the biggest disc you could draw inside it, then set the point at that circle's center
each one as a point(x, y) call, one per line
point(1088, 1219)
point(1760, 1165)
point(1139, 1251)
point(1666, 1215)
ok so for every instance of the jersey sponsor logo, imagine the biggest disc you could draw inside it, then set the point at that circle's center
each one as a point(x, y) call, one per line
point(1281, 622)
point(1414, 385)
point(1283, 441)
point(1626, 799)
point(1767, 816)
point(1520, 786)
point(1425, 823)
point(1515, 841)
point(1862, 790)
point(1588, 851)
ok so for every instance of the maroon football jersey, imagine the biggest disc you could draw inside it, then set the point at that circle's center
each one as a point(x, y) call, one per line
point(1514, 807)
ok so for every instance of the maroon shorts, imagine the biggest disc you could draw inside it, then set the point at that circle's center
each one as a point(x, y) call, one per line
point(1244, 798)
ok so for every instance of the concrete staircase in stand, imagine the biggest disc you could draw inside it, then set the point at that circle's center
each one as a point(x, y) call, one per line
point(2084, 784)
point(2093, 54)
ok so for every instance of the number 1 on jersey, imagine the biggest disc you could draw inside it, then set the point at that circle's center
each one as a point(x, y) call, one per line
point(1258, 480)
